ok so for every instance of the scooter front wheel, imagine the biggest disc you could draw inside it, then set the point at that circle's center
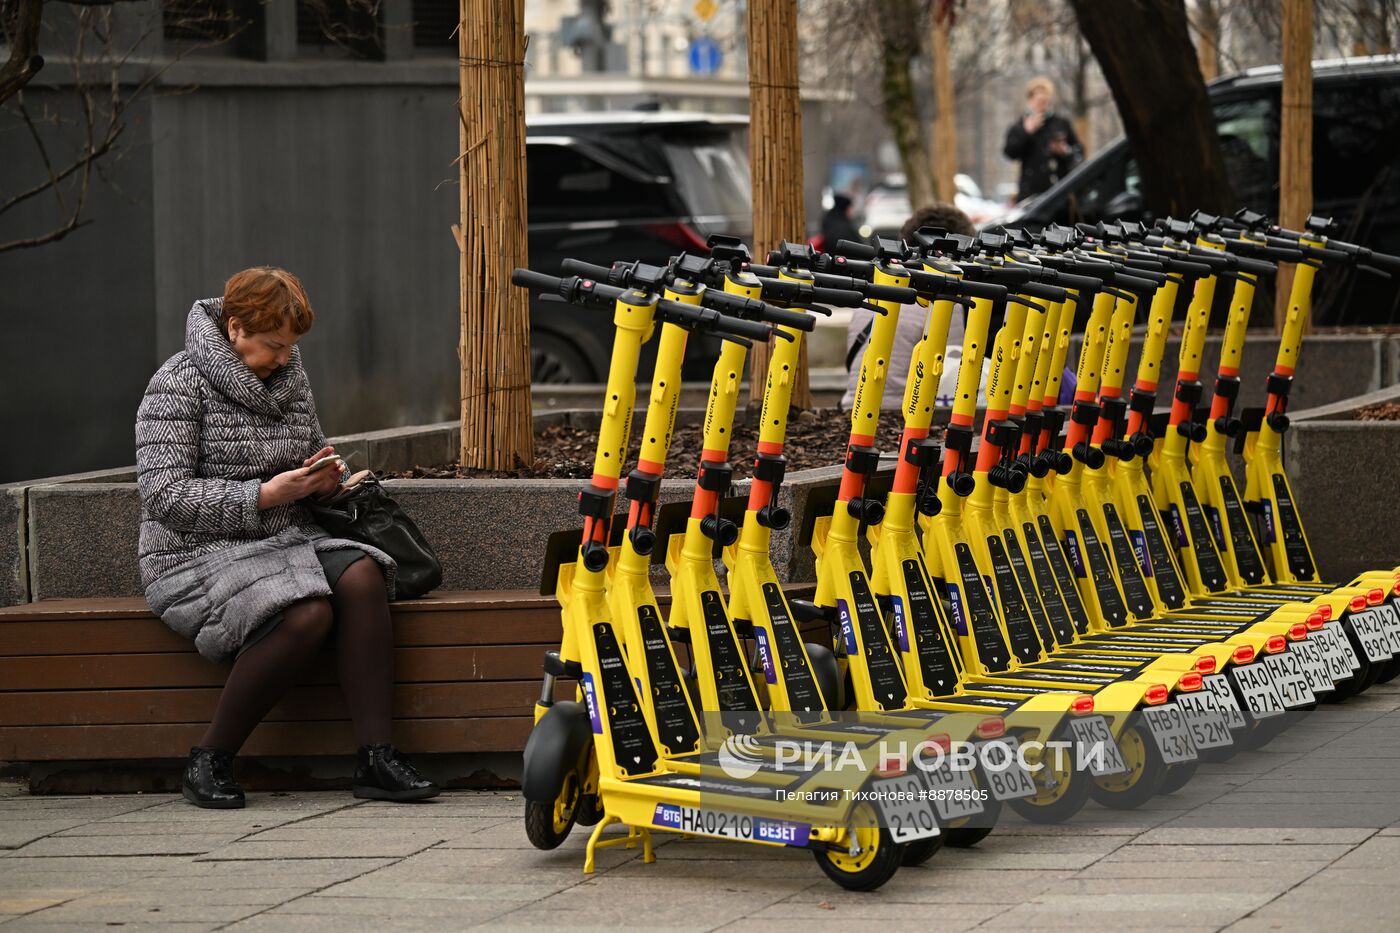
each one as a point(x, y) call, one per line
point(868, 861)
point(549, 822)
point(1143, 779)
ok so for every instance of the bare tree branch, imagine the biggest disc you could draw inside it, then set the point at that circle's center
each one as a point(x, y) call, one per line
point(20, 19)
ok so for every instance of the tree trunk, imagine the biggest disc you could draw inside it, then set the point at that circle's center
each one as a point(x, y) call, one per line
point(902, 113)
point(1161, 97)
point(775, 157)
point(1295, 136)
point(945, 121)
point(1207, 23)
point(1079, 103)
point(494, 346)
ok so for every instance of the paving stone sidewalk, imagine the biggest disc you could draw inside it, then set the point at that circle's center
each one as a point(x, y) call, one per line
point(1304, 834)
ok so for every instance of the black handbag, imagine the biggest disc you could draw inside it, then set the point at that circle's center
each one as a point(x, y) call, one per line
point(363, 511)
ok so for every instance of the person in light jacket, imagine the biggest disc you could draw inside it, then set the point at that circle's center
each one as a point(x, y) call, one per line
point(225, 436)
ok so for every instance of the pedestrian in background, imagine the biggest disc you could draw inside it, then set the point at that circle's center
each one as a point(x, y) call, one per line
point(1042, 141)
point(837, 224)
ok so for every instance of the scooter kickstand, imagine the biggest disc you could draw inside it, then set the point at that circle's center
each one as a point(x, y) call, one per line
point(634, 835)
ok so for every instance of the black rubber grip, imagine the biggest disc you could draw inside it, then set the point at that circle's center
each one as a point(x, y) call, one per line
point(537, 281)
point(841, 297)
point(1081, 282)
point(1256, 266)
point(1040, 290)
point(1135, 284)
point(754, 330)
point(854, 250)
point(1005, 275)
point(955, 286)
point(899, 293)
point(587, 270)
point(798, 319)
point(1384, 260)
point(766, 271)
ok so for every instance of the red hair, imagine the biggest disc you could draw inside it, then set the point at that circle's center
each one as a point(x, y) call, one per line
point(265, 298)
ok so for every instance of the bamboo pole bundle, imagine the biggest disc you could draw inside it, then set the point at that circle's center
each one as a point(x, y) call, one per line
point(775, 155)
point(1295, 135)
point(494, 345)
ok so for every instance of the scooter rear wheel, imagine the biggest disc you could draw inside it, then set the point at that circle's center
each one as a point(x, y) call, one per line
point(967, 832)
point(1060, 795)
point(1177, 777)
point(877, 859)
point(921, 850)
point(1144, 777)
point(549, 822)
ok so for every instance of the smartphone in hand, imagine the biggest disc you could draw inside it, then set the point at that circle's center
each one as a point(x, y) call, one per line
point(325, 462)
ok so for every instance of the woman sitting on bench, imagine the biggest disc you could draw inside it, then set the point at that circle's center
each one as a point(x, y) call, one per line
point(226, 440)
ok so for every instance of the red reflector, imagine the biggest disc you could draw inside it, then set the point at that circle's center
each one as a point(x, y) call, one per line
point(1358, 603)
point(1244, 654)
point(1205, 664)
point(1189, 681)
point(1396, 589)
point(1375, 597)
point(893, 770)
point(1082, 704)
point(991, 727)
point(943, 740)
point(1325, 610)
point(1315, 621)
point(1297, 631)
point(1156, 693)
point(1275, 644)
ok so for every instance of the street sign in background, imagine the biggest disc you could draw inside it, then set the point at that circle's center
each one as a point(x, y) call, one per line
point(705, 56)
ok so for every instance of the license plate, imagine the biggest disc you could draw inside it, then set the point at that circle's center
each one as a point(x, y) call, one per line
point(1390, 622)
point(906, 807)
point(1292, 683)
point(1095, 747)
point(1314, 665)
point(954, 794)
point(1256, 685)
point(1210, 726)
point(1004, 774)
point(1338, 667)
point(1219, 687)
point(1170, 731)
point(1370, 631)
point(1343, 643)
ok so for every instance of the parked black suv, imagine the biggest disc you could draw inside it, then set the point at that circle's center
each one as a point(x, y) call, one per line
point(609, 186)
point(1356, 171)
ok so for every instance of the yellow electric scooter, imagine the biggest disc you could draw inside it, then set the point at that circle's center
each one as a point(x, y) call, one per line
point(637, 785)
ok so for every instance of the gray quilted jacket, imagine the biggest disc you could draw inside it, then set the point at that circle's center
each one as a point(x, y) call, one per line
point(208, 432)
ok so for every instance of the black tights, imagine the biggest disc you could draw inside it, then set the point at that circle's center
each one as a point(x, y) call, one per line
point(364, 643)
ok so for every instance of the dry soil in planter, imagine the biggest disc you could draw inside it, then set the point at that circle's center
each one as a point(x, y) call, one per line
point(814, 439)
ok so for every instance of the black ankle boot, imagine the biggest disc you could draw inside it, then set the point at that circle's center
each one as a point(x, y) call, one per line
point(209, 780)
point(384, 774)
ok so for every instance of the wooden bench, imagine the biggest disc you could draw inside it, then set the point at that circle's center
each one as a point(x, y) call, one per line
point(94, 679)
point(104, 679)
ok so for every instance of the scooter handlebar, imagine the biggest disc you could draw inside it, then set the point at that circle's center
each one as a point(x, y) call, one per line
point(1085, 283)
point(1042, 291)
point(967, 289)
point(899, 293)
point(752, 310)
point(854, 250)
point(587, 270)
point(841, 297)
